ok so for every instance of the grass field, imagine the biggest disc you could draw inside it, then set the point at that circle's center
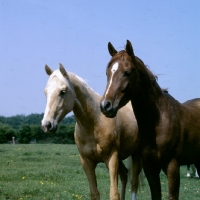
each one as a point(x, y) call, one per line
point(49, 171)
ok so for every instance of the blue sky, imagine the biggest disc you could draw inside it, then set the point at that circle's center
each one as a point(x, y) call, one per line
point(164, 34)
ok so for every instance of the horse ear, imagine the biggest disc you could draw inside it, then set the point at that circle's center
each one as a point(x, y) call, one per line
point(48, 70)
point(129, 49)
point(63, 71)
point(111, 49)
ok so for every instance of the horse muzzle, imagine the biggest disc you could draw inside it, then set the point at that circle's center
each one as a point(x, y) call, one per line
point(107, 109)
point(49, 126)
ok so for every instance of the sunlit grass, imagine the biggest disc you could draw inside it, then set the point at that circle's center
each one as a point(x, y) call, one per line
point(42, 171)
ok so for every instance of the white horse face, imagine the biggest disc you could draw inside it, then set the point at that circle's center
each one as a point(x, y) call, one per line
point(60, 98)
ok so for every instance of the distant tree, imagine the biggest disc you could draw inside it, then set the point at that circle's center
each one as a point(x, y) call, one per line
point(14, 121)
point(29, 127)
point(24, 134)
point(64, 134)
point(3, 120)
point(69, 120)
point(33, 119)
point(37, 133)
point(2, 135)
point(6, 133)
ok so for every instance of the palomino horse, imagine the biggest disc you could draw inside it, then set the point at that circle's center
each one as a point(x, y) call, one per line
point(169, 132)
point(98, 138)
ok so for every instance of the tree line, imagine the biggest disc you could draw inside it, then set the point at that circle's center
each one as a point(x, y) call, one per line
point(27, 129)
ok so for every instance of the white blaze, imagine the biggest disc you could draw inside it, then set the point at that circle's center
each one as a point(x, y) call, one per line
point(113, 70)
point(56, 80)
point(50, 89)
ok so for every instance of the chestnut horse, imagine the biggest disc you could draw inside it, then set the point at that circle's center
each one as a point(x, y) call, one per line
point(169, 132)
point(98, 138)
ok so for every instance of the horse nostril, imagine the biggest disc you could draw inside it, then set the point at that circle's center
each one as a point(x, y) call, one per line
point(49, 127)
point(108, 106)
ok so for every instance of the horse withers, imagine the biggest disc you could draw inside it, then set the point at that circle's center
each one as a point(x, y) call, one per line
point(98, 138)
point(169, 132)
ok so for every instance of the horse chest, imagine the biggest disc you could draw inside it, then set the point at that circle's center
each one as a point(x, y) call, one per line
point(94, 148)
point(151, 148)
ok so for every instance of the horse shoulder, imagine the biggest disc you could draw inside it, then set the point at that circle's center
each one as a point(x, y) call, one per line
point(168, 129)
point(192, 121)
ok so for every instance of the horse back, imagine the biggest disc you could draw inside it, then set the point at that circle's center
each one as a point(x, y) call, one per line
point(192, 125)
point(178, 130)
point(188, 148)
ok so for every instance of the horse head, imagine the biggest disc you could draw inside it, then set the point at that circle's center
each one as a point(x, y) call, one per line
point(121, 67)
point(60, 98)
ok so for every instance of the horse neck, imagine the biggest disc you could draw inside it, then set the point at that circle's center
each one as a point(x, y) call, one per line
point(86, 108)
point(145, 100)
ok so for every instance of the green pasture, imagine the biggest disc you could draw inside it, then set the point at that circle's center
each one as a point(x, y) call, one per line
point(53, 171)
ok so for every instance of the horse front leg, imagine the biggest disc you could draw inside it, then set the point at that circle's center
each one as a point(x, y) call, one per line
point(123, 177)
point(152, 172)
point(136, 169)
point(173, 175)
point(89, 168)
point(113, 171)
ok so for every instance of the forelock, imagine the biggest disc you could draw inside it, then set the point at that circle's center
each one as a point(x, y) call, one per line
point(121, 55)
point(59, 75)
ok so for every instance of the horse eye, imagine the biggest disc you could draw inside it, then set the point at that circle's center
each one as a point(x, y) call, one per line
point(62, 92)
point(127, 73)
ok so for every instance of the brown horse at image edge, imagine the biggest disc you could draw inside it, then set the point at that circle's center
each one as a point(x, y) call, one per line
point(169, 132)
